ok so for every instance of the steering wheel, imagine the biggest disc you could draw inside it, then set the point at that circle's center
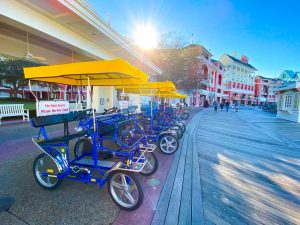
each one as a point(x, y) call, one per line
point(110, 111)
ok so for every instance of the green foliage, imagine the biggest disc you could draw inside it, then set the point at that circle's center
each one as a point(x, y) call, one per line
point(11, 72)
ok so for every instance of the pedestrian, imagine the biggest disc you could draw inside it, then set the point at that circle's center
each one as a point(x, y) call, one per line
point(227, 104)
point(205, 104)
point(237, 105)
point(215, 104)
point(222, 106)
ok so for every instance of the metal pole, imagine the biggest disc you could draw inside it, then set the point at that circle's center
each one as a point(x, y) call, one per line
point(94, 117)
point(36, 99)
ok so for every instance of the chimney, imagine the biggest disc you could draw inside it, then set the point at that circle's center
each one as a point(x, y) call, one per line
point(234, 54)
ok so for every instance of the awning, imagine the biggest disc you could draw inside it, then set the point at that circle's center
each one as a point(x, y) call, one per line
point(171, 94)
point(149, 87)
point(100, 73)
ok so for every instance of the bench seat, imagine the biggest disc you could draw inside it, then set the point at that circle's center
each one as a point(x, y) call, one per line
point(10, 110)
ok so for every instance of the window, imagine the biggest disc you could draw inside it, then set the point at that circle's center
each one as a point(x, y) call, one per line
point(288, 102)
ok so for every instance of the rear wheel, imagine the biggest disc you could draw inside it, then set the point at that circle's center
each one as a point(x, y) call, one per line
point(125, 189)
point(45, 171)
point(151, 164)
point(168, 144)
point(83, 146)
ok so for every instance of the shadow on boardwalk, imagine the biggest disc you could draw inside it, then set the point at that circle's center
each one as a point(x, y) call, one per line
point(233, 168)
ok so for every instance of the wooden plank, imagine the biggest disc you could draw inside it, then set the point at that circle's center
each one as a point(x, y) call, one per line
point(282, 204)
point(174, 204)
point(162, 205)
point(186, 196)
point(276, 178)
point(214, 218)
point(197, 204)
point(283, 195)
point(237, 208)
point(260, 149)
point(252, 163)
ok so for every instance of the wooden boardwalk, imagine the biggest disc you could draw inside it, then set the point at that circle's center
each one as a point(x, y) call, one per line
point(231, 169)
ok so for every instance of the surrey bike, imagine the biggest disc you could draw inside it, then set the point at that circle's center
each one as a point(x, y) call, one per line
point(165, 137)
point(56, 163)
point(117, 137)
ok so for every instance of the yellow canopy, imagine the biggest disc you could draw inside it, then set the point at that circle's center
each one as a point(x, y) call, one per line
point(168, 94)
point(150, 86)
point(100, 73)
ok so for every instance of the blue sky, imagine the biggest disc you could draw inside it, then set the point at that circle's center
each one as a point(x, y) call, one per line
point(268, 32)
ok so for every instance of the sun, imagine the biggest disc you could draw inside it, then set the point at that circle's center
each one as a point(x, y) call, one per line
point(146, 37)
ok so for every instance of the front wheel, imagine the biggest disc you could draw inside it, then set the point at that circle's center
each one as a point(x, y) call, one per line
point(125, 189)
point(45, 171)
point(151, 164)
point(168, 144)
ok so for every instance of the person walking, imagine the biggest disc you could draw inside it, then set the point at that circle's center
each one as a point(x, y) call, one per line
point(227, 104)
point(205, 104)
point(222, 105)
point(215, 104)
point(237, 104)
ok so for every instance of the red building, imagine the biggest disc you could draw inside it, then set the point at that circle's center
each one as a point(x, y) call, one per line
point(265, 89)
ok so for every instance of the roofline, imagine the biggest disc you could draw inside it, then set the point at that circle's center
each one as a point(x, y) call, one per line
point(87, 13)
point(252, 67)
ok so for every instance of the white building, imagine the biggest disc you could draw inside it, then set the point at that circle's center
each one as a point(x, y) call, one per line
point(239, 78)
point(288, 102)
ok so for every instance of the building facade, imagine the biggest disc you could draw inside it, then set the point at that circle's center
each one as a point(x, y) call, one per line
point(211, 73)
point(288, 101)
point(239, 78)
point(266, 89)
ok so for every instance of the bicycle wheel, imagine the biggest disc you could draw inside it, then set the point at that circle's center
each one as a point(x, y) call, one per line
point(83, 146)
point(151, 164)
point(43, 164)
point(185, 115)
point(125, 189)
point(168, 144)
point(179, 130)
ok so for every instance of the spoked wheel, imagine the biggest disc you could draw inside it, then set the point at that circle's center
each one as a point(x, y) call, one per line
point(151, 164)
point(83, 146)
point(179, 130)
point(44, 164)
point(185, 115)
point(168, 144)
point(125, 189)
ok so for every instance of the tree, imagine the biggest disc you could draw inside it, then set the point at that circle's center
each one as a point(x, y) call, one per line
point(179, 63)
point(11, 72)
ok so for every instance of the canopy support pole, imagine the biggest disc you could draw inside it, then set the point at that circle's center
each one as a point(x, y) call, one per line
point(36, 99)
point(151, 104)
point(94, 117)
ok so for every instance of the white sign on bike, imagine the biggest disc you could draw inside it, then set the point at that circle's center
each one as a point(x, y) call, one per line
point(123, 104)
point(46, 108)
